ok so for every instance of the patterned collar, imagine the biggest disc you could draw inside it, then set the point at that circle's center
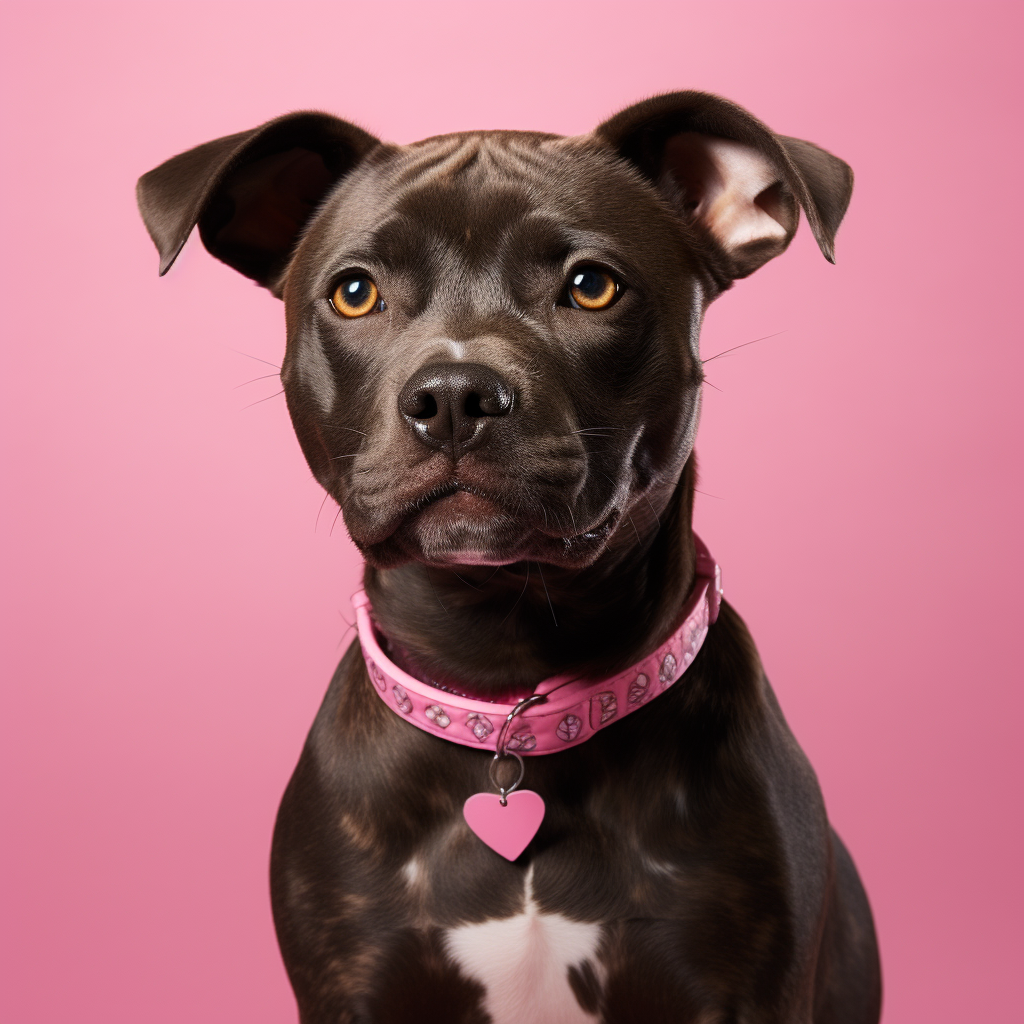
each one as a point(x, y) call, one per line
point(574, 709)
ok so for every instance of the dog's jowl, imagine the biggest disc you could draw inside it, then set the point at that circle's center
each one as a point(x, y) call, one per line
point(493, 367)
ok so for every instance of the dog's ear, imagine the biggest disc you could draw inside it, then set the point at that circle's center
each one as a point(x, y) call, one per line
point(252, 193)
point(721, 168)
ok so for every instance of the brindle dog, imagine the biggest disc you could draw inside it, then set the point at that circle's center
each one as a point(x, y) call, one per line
point(493, 367)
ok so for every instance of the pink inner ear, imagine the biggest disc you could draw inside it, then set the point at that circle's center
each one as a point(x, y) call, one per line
point(731, 188)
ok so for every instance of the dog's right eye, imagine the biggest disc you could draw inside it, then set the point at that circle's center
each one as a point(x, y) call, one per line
point(357, 295)
point(591, 287)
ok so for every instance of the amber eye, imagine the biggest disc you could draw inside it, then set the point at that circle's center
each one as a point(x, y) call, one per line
point(356, 296)
point(592, 288)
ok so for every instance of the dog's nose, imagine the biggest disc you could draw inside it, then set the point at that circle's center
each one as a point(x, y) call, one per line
point(453, 405)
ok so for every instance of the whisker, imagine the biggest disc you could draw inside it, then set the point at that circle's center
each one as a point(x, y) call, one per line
point(654, 533)
point(338, 426)
point(465, 581)
point(257, 358)
point(718, 355)
point(335, 523)
point(639, 542)
point(267, 399)
point(708, 494)
point(547, 595)
point(520, 597)
point(348, 626)
point(656, 516)
point(710, 385)
point(266, 376)
point(603, 450)
point(319, 510)
point(438, 596)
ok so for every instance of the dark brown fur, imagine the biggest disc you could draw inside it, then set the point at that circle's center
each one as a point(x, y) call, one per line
point(586, 487)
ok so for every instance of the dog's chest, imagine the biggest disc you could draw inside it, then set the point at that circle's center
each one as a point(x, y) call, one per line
point(533, 966)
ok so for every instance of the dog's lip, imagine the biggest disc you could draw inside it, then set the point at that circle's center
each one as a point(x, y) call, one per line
point(528, 533)
point(528, 544)
point(454, 487)
point(593, 533)
point(448, 490)
point(490, 504)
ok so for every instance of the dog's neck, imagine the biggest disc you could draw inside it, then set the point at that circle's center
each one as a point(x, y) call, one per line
point(496, 633)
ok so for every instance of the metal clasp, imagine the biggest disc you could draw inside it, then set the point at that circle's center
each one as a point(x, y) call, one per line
point(501, 746)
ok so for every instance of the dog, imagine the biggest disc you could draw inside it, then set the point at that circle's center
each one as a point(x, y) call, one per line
point(493, 367)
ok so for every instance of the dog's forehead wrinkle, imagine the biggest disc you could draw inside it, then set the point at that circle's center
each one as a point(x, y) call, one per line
point(469, 153)
point(511, 180)
point(434, 158)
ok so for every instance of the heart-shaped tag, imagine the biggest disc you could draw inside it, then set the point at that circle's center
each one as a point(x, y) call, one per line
point(506, 830)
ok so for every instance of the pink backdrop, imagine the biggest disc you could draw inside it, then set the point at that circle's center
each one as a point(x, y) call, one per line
point(173, 606)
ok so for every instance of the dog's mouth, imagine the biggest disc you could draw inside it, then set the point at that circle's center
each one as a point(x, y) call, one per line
point(458, 523)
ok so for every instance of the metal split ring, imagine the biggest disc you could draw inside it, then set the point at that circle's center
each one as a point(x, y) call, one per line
point(501, 746)
point(504, 791)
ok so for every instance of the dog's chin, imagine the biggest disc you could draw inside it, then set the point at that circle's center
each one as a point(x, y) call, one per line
point(464, 529)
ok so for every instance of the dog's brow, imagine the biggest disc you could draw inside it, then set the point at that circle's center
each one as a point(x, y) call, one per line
point(557, 242)
point(359, 252)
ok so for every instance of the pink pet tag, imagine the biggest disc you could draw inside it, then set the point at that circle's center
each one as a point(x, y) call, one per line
point(506, 828)
point(507, 820)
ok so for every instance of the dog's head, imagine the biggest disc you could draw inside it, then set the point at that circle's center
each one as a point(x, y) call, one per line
point(493, 336)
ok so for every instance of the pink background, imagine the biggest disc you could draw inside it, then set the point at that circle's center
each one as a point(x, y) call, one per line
point(173, 606)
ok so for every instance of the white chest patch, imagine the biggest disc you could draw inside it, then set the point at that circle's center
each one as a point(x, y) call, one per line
point(523, 963)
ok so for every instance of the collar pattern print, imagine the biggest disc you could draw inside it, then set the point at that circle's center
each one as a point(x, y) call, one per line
point(575, 708)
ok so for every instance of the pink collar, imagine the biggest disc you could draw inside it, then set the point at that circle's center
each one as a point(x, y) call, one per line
point(569, 716)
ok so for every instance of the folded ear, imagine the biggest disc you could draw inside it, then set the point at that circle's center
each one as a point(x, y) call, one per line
point(252, 193)
point(722, 169)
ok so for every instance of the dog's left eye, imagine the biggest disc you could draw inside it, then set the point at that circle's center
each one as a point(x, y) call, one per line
point(592, 288)
point(357, 295)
